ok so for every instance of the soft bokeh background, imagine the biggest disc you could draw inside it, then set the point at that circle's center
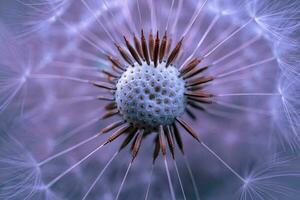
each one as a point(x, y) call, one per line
point(253, 124)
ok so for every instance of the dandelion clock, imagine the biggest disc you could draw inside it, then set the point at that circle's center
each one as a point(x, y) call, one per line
point(149, 99)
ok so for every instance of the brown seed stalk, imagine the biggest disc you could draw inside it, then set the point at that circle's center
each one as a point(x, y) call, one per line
point(194, 72)
point(169, 44)
point(124, 54)
point(177, 137)
point(109, 113)
point(189, 66)
point(151, 45)
point(162, 141)
point(156, 50)
point(156, 149)
point(104, 85)
point(200, 94)
point(163, 46)
point(105, 98)
point(195, 105)
point(145, 48)
point(137, 144)
point(200, 80)
point(138, 46)
point(118, 133)
point(116, 63)
point(128, 139)
point(174, 53)
point(190, 113)
point(112, 126)
point(201, 100)
point(110, 74)
point(111, 106)
point(132, 51)
point(188, 128)
point(170, 141)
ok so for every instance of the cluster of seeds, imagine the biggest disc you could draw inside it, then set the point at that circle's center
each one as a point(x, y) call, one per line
point(149, 96)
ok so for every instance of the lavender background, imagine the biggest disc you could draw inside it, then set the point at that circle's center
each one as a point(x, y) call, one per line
point(256, 131)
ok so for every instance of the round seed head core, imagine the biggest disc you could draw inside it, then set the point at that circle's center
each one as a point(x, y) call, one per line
point(149, 96)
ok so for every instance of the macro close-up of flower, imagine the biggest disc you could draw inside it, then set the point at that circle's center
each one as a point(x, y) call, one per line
point(150, 99)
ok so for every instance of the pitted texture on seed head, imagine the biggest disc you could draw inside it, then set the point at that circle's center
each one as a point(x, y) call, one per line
point(149, 96)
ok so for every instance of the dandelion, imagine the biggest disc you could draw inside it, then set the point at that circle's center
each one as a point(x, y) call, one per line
point(197, 91)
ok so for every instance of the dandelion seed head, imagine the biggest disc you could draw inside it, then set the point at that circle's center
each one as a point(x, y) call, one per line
point(149, 96)
point(234, 100)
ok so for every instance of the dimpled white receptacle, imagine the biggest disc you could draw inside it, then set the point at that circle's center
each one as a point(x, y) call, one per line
point(149, 96)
